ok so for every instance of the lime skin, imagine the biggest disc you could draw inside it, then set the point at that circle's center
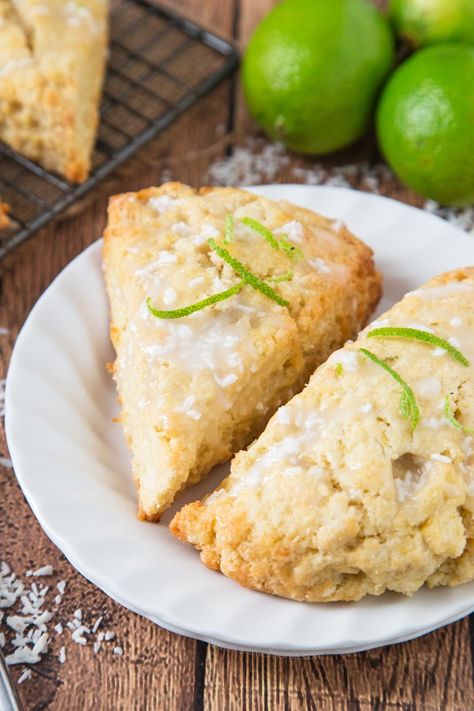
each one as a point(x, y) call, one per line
point(312, 71)
point(424, 22)
point(425, 123)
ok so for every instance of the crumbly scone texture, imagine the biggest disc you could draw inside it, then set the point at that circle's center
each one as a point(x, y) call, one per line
point(52, 62)
point(195, 390)
point(339, 497)
point(4, 218)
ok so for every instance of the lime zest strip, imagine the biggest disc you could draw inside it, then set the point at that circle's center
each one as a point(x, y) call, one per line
point(290, 249)
point(339, 369)
point(408, 405)
point(246, 275)
point(286, 276)
point(419, 335)
point(451, 417)
point(261, 230)
point(228, 228)
point(192, 308)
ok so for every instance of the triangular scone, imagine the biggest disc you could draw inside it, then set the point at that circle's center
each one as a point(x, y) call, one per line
point(340, 497)
point(194, 390)
point(4, 219)
point(52, 60)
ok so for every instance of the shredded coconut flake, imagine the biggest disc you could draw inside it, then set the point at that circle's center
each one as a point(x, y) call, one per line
point(45, 570)
point(25, 675)
point(161, 204)
point(320, 265)
point(26, 638)
point(257, 161)
point(96, 624)
point(2, 397)
point(441, 458)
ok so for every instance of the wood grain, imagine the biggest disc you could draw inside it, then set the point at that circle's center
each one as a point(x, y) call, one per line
point(160, 670)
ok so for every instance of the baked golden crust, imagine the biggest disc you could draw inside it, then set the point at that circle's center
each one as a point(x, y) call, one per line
point(4, 219)
point(197, 389)
point(339, 497)
point(52, 61)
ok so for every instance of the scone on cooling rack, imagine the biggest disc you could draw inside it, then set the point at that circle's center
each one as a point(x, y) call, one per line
point(52, 60)
point(4, 218)
point(222, 304)
point(364, 482)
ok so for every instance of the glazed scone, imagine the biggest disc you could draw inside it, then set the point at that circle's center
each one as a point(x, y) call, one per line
point(196, 389)
point(345, 494)
point(52, 61)
point(4, 219)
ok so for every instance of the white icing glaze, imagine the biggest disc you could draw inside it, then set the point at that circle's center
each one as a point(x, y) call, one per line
point(181, 229)
point(15, 64)
point(420, 327)
point(187, 406)
point(320, 265)
point(161, 203)
point(348, 359)
point(293, 229)
point(410, 475)
point(433, 293)
point(441, 458)
point(206, 233)
point(428, 387)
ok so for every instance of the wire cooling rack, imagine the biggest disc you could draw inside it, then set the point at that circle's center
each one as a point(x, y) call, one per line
point(159, 65)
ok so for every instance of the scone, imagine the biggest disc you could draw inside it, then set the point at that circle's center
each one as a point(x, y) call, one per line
point(4, 219)
point(364, 482)
point(197, 388)
point(52, 60)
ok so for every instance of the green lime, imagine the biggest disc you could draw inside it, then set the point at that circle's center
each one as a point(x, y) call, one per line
point(432, 21)
point(425, 123)
point(312, 71)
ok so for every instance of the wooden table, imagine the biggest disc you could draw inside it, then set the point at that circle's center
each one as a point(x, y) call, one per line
point(160, 670)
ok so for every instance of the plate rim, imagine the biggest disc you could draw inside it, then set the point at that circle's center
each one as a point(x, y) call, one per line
point(283, 649)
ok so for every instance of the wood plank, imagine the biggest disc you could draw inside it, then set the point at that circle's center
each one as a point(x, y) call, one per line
point(158, 669)
point(433, 673)
point(250, 15)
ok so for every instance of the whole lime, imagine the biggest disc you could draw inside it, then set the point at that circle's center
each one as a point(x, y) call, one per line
point(312, 71)
point(425, 22)
point(425, 123)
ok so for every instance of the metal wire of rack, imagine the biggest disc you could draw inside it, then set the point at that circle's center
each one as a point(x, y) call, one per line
point(159, 65)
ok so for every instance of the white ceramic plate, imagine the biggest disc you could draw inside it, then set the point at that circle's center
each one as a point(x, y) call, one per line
point(73, 467)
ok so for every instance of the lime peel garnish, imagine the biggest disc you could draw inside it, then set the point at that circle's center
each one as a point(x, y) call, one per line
point(246, 275)
point(228, 228)
point(408, 405)
point(192, 308)
point(339, 370)
point(286, 276)
point(451, 418)
point(290, 249)
point(263, 231)
point(419, 335)
point(282, 243)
